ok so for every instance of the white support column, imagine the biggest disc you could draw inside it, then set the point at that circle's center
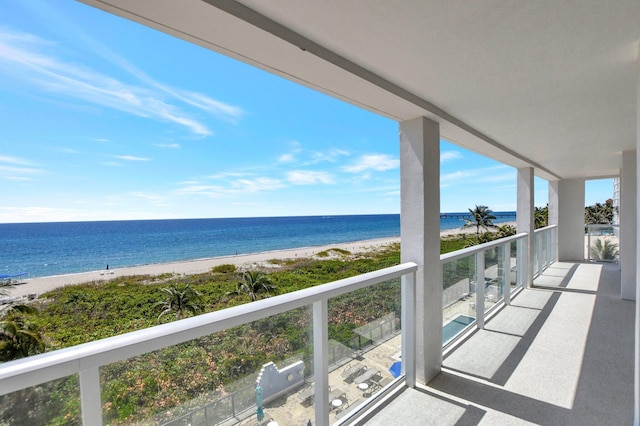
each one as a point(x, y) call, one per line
point(553, 215)
point(420, 236)
point(525, 219)
point(628, 224)
point(571, 245)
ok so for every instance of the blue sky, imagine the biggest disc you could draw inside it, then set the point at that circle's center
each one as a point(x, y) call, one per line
point(103, 119)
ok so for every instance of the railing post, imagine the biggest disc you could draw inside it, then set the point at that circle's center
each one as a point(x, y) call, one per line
point(506, 272)
point(320, 364)
point(520, 260)
point(549, 247)
point(409, 328)
point(480, 289)
point(588, 243)
point(90, 398)
point(233, 404)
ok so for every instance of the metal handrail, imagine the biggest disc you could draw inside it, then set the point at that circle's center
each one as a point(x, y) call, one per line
point(38, 369)
point(459, 254)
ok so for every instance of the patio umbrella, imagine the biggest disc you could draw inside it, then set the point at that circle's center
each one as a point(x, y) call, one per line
point(259, 409)
point(396, 369)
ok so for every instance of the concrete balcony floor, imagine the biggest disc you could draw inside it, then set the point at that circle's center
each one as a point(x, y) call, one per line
point(561, 354)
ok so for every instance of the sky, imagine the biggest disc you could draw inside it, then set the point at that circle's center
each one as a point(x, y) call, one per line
point(104, 119)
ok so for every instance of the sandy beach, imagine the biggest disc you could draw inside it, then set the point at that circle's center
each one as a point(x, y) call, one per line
point(41, 285)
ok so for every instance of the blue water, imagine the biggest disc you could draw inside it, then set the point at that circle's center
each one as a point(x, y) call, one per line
point(454, 328)
point(44, 249)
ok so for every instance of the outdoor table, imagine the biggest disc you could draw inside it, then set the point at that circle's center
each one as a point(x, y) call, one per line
point(363, 387)
point(336, 403)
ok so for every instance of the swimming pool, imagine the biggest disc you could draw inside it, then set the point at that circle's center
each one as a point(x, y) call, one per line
point(453, 328)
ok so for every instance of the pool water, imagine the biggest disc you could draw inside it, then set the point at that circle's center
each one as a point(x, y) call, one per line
point(452, 329)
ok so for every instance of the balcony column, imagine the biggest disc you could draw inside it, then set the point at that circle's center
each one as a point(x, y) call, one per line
point(570, 212)
point(420, 236)
point(553, 213)
point(525, 219)
point(628, 224)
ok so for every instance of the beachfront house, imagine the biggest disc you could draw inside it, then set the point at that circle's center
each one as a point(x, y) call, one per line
point(551, 88)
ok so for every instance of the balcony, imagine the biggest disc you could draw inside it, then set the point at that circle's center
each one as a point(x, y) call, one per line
point(534, 354)
point(562, 353)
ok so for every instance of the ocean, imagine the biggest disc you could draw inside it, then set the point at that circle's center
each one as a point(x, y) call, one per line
point(44, 249)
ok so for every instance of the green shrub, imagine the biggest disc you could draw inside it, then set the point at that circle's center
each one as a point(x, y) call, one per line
point(224, 269)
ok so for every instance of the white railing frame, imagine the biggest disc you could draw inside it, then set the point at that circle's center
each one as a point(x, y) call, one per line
point(545, 252)
point(86, 359)
point(478, 252)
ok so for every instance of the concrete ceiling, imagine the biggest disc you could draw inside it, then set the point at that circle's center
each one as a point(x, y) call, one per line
point(550, 84)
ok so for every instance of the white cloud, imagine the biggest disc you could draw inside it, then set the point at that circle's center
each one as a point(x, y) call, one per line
point(67, 150)
point(449, 178)
point(330, 156)
point(22, 58)
point(110, 163)
point(308, 177)
point(14, 160)
point(377, 162)
point(19, 170)
point(449, 155)
point(238, 187)
point(146, 196)
point(286, 158)
point(19, 178)
point(225, 175)
point(130, 158)
point(168, 145)
point(258, 184)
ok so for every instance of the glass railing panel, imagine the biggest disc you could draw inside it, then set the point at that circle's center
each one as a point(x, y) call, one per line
point(493, 277)
point(537, 249)
point(514, 266)
point(214, 379)
point(365, 345)
point(459, 296)
point(602, 243)
point(53, 403)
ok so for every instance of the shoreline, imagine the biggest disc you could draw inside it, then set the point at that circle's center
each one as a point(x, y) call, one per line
point(39, 285)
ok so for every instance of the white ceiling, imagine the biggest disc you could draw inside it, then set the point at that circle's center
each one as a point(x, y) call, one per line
point(547, 83)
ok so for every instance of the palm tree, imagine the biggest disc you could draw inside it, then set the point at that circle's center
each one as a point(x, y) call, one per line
point(541, 216)
point(253, 283)
point(506, 231)
point(13, 307)
point(18, 337)
point(604, 251)
point(180, 300)
point(599, 213)
point(481, 217)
